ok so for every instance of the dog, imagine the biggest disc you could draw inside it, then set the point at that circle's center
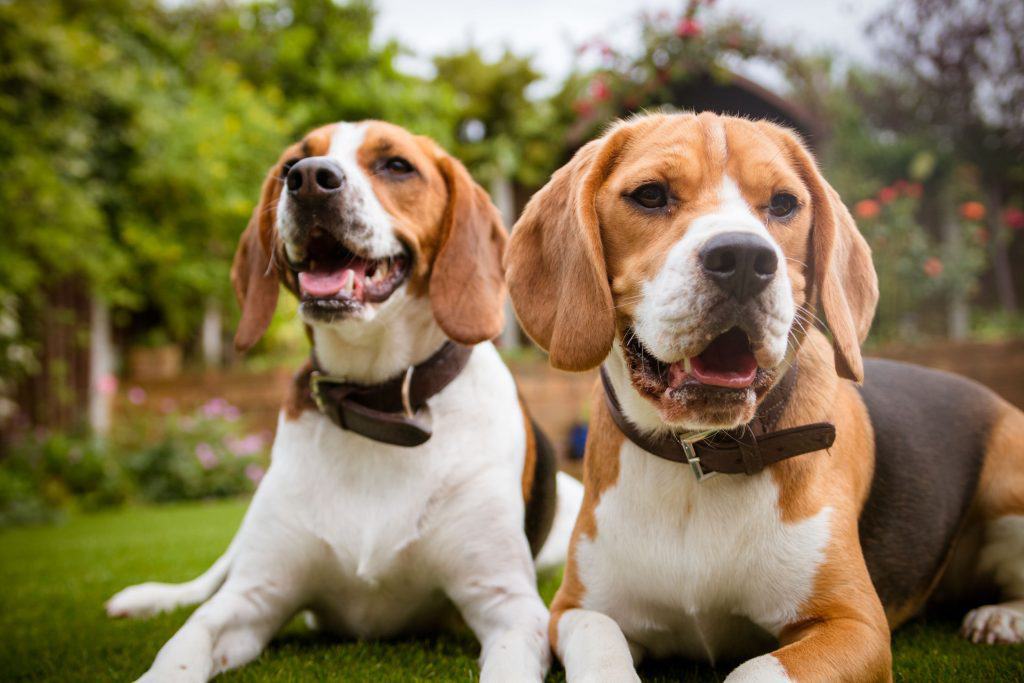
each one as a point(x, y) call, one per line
point(754, 490)
point(405, 472)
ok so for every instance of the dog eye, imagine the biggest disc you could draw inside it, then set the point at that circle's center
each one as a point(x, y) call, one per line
point(782, 205)
point(287, 166)
point(398, 166)
point(650, 196)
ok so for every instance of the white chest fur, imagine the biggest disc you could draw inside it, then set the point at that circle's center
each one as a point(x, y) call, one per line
point(374, 523)
point(705, 570)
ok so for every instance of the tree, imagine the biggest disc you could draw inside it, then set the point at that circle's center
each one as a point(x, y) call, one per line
point(961, 79)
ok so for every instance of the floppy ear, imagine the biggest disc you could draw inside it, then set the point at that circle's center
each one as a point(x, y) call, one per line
point(467, 290)
point(556, 271)
point(254, 271)
point(843, 274)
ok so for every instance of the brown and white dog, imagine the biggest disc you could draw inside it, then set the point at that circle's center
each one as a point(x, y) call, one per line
point(689, 255)
point(393, 251)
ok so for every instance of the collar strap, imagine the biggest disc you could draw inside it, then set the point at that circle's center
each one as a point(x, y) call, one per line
point(745, 450)
point(391, 412)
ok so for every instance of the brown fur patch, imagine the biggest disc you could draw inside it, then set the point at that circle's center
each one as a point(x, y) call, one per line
point(1001, 487)
point(600, 471)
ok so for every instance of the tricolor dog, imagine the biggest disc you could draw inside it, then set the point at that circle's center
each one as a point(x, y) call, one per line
point(405, 473)
point(754, 490)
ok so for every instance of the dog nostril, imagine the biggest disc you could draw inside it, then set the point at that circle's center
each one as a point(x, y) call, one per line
point(294, 180)
point(766, 262)
point(328, 179)
point(721, 261)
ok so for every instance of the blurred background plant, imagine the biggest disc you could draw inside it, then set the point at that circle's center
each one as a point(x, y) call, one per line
point(155, 454)
point(135, 135)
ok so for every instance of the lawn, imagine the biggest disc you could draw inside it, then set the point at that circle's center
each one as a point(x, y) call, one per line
point(53, 581)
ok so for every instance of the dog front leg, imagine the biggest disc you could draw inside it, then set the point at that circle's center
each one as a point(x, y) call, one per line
point(593, 648)
point(840, 649)
point(229, 630)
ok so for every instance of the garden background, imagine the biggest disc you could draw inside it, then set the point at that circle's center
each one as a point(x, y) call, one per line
point(134, 136)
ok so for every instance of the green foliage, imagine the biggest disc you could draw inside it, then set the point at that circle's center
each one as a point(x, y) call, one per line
point(150, 457)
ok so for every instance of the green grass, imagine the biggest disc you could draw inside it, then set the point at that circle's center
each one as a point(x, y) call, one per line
point(53, 581)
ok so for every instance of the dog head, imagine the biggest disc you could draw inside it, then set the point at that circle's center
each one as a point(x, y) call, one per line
point(359, 219)
point(692, 252)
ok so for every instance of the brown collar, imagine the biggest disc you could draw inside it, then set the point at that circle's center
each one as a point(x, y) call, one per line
point(747, 449)
point(390, 412)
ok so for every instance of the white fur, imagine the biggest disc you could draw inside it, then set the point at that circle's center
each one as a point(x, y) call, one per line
point(1001, 560)
point(370, 537)
point(763, 669)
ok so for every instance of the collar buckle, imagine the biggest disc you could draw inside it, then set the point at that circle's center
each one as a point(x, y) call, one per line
point(406, 384)
point(692, 459)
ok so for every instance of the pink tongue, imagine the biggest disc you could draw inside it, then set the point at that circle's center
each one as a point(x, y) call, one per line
point(739, 375)
point(726, 362)
point(322, 283)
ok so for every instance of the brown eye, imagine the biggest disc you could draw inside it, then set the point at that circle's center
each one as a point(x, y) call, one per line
point(783, 205)
point(650, 196)
point(398, 166)
point(287, 166)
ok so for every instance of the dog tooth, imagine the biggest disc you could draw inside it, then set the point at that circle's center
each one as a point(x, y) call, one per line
point(687, 364)
point(348, 283)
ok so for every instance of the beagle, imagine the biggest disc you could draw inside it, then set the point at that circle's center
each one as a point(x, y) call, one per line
point(405, 471)
point(690, 256)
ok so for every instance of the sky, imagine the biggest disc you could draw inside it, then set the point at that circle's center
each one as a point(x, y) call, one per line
point(548, 29)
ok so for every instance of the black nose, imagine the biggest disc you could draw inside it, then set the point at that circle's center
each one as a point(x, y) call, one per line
point(313, 177)
point(741, 263)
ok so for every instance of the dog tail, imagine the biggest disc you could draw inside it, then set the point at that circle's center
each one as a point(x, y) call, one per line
point(149, 599)
point(570, 496)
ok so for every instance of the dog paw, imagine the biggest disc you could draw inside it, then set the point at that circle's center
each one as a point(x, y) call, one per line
point(143, 600)
point(763, 669)
point(994, 624)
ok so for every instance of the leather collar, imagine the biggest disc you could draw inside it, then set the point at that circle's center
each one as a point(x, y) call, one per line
point(747, 449)
point(392, 412)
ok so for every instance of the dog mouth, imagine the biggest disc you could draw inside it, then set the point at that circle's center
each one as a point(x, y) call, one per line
point(333, 277)
point(719, 385)
point(727, 362)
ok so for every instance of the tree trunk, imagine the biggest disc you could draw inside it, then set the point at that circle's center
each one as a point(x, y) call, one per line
point(504, 200)
point(999, 250)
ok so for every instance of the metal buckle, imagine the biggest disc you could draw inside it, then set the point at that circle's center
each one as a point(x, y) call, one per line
point(315, 378)
point(692, 459)
point(406, 383)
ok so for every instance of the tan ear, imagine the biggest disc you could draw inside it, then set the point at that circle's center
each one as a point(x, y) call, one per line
point(556, 271)
point(254, 271)
point(843, 274)
point(467, 287)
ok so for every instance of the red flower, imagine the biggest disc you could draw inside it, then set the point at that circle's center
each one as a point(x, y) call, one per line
point(1014, 218)
point(972, 211)
point(887, 194)
point(583, 108)
point(688, 28)
point(867, 208)
point(599, 90)
point(914, 190)
point(933, 267)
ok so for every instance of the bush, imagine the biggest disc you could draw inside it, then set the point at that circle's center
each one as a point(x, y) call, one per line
point(150, 457)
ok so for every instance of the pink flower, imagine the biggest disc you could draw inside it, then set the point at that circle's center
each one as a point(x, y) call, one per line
point(599, 90)
point(1014, 218)
point(887, 194)
point(255, 473)
point(215, 407)
point(137, 396)
point(688, 28)
point(107, 385)
point(231, 413)
point(247, 445)
point(933, 267)
point(205, 455)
